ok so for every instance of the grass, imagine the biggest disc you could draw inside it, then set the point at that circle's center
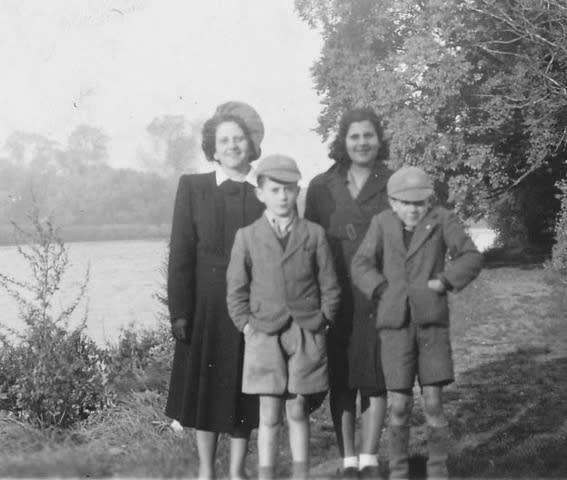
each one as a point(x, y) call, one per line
point(507, 409)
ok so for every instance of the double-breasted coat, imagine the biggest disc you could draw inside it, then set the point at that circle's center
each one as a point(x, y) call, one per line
point(354, 355)
point(205, 387)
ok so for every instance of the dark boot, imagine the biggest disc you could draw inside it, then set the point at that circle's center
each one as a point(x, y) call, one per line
point(438, 448)
point(399, 451)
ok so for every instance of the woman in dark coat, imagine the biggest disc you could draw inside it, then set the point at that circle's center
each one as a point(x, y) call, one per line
point(343, 200)
point(205, 388)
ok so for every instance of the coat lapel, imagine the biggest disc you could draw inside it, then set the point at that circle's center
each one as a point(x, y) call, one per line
point(297, 238)
point(267, 236)
point(375, 184)
point(422, 232)
point(396, 233)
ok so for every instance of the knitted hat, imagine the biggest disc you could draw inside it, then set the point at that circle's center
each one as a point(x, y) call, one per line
point(249, 116)
point(279, 167)
point(410, 184)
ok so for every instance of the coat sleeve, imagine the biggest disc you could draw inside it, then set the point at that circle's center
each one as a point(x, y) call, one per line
point(311, 212)
point(465, 259)
point(364, 265)
point(182, 254)
point(238, 282)
point(327, 278)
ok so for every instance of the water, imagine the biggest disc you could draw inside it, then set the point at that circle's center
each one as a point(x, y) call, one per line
point(124, 277)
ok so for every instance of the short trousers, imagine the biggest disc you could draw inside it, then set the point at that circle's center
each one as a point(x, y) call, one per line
point(414, 350)
point(292, 361)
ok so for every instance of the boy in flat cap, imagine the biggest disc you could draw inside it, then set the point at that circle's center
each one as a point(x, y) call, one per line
point(282, 293)
point(401, 265)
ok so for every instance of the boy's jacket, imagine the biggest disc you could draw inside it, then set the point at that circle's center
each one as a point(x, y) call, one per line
point(266, 285)
point(383, 259)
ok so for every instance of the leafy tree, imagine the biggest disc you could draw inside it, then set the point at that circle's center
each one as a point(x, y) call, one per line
point(87, 146)
point(175, 145)
point(475, 91)
point(28, 149)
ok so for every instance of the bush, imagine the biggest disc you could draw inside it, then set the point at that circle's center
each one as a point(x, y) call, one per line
point(141, 360)
point(53, 377)
point(50, 373)
point(559, 252)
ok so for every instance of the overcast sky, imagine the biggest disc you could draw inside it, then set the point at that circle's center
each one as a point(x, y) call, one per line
point(117, 64)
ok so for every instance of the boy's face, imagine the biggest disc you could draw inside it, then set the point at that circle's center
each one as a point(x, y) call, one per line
point(279, 198)
point(410, 213)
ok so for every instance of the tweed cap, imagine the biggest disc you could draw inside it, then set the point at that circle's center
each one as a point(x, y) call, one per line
point(279, 167)
point(249, 116)
point(410, 184)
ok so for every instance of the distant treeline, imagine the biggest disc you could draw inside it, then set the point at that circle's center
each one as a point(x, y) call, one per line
point(95, 233)
point(96, 203)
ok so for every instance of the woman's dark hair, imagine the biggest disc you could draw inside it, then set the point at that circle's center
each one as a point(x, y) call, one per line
point(338, 151)
point(209, 134)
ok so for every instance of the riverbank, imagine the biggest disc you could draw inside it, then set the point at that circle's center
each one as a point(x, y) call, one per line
point(506, 409)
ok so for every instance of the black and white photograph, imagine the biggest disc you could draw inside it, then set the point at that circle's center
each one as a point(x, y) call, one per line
point(278, 239)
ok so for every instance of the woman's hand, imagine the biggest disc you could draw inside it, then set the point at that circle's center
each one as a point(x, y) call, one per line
point(179, 329)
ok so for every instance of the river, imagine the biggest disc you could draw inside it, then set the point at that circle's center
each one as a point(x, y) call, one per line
point(124, 278)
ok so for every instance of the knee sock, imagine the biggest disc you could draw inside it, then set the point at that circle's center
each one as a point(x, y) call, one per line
point(300, 470)
point(399, 451)
point(266, 472)
point(438, 449)
point(350, 462)
point(367, 460)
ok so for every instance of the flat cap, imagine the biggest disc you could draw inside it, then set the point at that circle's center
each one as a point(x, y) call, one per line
point(410, 184)
point(279, 167)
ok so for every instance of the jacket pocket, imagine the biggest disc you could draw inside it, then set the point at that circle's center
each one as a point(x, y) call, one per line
point(429, 307)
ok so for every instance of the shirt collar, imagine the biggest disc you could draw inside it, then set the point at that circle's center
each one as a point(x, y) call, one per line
point(283, 224)
point(222, 177)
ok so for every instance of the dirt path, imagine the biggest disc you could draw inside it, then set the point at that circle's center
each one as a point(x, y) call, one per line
point(507, 404)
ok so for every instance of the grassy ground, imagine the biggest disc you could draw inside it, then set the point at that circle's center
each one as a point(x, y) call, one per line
point(507, 408)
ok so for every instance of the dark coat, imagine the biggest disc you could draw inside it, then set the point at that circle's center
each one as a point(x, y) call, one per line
point(267, 284)
point(205, 387)
point(383, 259)
point(353, 340)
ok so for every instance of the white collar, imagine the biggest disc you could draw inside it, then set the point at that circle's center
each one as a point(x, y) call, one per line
point(284, 224)
point(222, 177)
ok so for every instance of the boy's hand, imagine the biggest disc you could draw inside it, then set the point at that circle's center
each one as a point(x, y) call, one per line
point(436, 285)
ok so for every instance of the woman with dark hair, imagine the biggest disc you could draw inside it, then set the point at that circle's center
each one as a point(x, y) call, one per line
point(343, 200)
point(205, 387)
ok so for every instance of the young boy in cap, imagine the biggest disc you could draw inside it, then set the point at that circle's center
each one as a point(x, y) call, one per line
point(282, 293)
point(401, 265)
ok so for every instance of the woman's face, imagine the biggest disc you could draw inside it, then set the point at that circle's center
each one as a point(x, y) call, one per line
point(232, 149)
point(362, 143)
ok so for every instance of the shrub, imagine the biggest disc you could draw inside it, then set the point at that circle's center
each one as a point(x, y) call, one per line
point(141, 360)
point(51, 373)
point(559, 252)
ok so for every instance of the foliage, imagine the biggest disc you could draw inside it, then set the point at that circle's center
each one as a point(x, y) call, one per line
point(141, 360)
point(51, 374)
point(559, 256)
point(475, 91)
point(174, 141)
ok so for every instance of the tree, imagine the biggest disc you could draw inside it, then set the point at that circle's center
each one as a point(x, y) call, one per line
point(175, 144)
point(87, 146)
point(472, 90)
point(28, 149)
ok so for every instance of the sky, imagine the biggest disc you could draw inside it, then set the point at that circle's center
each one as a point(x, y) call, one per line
point(117, 64)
